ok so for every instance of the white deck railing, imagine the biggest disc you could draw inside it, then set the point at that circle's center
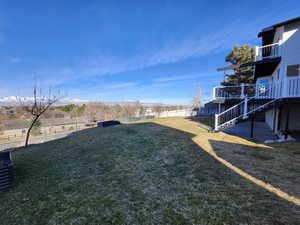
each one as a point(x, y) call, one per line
point(270, 91)
point(293, 87)
point(266, 51)
point(233, 92)
point(287, 88)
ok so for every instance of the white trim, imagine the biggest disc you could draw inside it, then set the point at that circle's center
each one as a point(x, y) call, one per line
point(265, 46)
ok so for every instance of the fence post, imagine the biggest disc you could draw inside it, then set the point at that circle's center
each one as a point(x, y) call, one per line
point(245, 108)
point(216, 122)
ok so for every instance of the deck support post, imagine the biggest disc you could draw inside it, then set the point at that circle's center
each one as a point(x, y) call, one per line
point(216, 122)
point(245, 108)
point(242, 91)
point(252, 127)
point(279, 119)
point(287, 123)
point(274, 119)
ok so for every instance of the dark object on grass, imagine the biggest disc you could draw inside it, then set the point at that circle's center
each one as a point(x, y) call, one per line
point(7, 176)
point(108, 123)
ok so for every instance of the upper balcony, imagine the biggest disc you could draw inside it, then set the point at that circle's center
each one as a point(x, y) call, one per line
point(266, 51)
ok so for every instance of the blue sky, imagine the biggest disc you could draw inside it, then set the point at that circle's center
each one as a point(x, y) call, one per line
point(152, 51)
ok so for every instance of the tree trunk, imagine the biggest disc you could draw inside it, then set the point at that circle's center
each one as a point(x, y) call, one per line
point(29, 130)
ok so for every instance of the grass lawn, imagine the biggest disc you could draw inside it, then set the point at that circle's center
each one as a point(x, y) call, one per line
point(161, 171)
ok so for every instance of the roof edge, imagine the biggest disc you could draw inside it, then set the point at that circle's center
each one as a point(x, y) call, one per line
point(272, 27)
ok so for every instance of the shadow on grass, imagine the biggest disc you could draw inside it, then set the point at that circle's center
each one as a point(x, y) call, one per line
point(146, 173)
point(203, 121)
point(267, 167)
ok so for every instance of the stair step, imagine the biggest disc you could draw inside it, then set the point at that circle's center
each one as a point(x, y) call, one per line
point(4, 184)
point(6, 177)
point(253, 109)
point(4, 172)
point(5, 188)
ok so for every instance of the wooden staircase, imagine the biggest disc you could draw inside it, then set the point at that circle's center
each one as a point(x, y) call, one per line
point(239, 112)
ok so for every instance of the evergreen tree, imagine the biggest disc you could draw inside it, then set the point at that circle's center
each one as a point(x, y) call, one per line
point(240, 55)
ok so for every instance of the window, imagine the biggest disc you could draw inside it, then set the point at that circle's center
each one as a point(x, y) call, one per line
point(293, 70)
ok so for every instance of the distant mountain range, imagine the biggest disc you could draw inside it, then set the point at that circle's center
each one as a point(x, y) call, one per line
point(14, 101)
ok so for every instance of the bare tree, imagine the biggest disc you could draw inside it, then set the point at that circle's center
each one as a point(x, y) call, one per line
point(39, 105)
point(197, 99)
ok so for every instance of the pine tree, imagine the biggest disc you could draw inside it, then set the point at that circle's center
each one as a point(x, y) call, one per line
point(240, 55)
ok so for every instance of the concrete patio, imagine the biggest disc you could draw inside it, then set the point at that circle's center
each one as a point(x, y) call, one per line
point(261, 131)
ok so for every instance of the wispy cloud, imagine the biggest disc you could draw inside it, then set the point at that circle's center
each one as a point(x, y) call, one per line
point(121, 85)
point(190, 45)
point(175, 78)
point(195, 76)
point(171, 52)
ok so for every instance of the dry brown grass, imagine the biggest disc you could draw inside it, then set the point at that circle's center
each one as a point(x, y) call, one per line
point(165, 171)
point(260, 160)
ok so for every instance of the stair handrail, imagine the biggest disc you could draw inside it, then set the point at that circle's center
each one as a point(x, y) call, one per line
point(246, 114)
point(261, 106)
point(227, 110)
point(246, 100)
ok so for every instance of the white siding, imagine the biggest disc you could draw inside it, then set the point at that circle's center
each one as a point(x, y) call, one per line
point(290, 47)
point(288, 37)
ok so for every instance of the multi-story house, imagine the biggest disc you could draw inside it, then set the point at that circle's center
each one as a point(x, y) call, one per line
point(276, 92)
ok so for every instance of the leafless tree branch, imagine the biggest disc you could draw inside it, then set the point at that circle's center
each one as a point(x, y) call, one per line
point(39, 105)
